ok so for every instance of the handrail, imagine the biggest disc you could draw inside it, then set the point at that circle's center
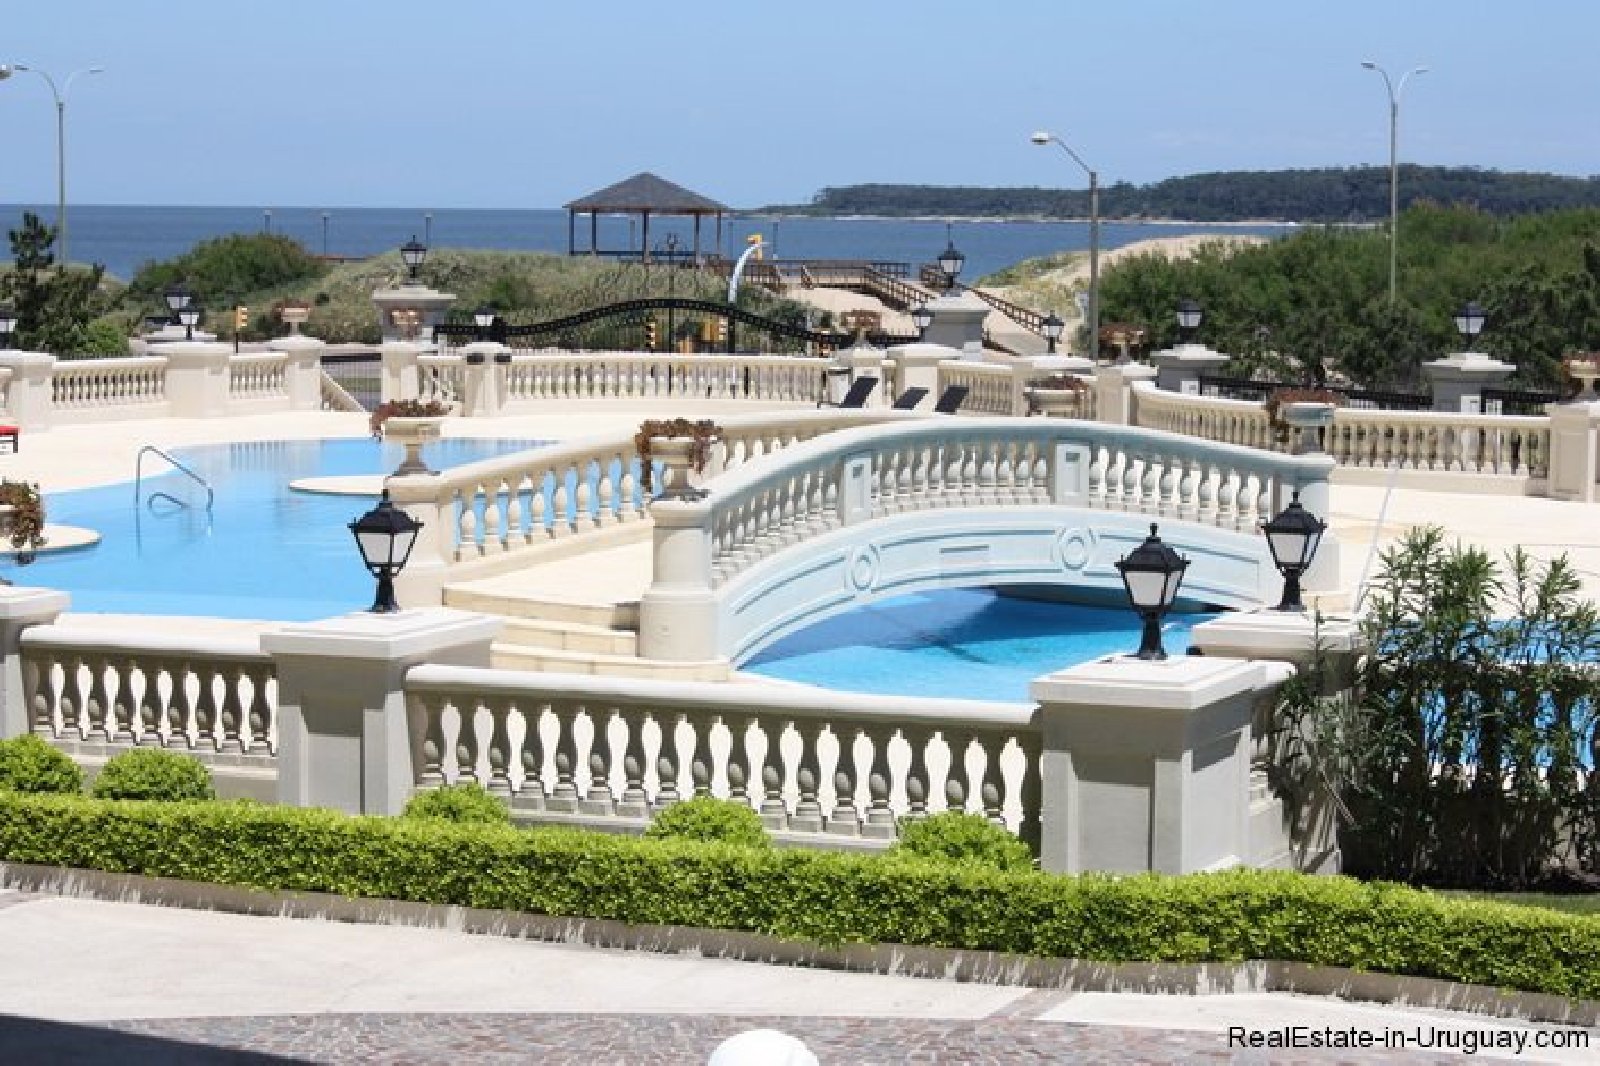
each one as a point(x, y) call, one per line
point(138, 475)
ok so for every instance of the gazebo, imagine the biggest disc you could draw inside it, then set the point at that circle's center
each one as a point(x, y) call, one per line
point(643, 195)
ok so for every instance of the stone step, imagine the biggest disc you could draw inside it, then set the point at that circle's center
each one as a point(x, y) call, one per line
point(624, 615)
point(555, 660)
point(569, 636)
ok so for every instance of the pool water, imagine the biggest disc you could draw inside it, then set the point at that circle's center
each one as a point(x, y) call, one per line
point(958, 643)
point(263, 551)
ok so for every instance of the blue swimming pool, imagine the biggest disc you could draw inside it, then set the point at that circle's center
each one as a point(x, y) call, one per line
point(962, 643)
point(263, 551)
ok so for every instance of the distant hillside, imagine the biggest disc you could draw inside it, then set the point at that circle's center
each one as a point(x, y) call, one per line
point(1354, 194)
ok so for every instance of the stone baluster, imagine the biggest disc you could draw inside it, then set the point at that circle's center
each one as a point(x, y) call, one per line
point(564, 795)
point(531, 794)
point(499, 748)
point(72, 699)
point(918, 783)
point(668, 761)
point(774, 811)
point(123, 704)
point(1031, 792)
point(992, 788)
point(600, 800)
point(1243, 502)
point(987, 474)
point(807, 817)
point(1131, 481)
point(584, 518)
point(467, 742)
point(700, 765)
point(957, 781)
point(845, 819)
point(880, 821)
point(205, 706)
point(179, 710)
point(635, 801)
point(98, 705)
point(560, 521)
point(260, 716)
point(231, 713)
point(739, 758)
point(39, 690)
point(431, 773)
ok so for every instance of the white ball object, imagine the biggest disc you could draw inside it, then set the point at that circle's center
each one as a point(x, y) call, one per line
point(762, 1047)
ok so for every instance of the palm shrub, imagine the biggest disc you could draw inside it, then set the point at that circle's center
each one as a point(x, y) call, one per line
point(154, 774)
point(706, 818)
point(465, 801)
point(30, 764)
point(961, 839)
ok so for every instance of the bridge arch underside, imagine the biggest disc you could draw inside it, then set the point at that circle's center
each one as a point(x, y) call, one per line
point(1067, 548)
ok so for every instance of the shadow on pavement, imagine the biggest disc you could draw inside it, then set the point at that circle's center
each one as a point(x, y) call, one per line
point(32, 1040)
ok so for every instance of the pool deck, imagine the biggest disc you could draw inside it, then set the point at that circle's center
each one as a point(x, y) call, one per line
point(73, 457)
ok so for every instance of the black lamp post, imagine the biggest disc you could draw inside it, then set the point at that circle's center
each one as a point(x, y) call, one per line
point(385, 535)
point(950, 262)
point(483, 318)
point(921, 317)
point(8, 326)
point(1189, 317)
point(1152, 573)
point(1469, 321)
point(188, 318)
point(1293, 535)
point(177, 298)
point(414, 254)
point(1052, 331)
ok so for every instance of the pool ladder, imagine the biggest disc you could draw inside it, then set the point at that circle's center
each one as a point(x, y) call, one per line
point(138, 476)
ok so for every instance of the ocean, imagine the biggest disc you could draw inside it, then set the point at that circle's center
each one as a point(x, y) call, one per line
point(124, 238)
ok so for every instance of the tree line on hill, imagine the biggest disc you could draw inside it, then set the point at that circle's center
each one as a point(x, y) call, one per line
point(1316, 303)
point(1330, 194)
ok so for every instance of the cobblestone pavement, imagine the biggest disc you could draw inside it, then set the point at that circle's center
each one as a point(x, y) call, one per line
point(601, 1039)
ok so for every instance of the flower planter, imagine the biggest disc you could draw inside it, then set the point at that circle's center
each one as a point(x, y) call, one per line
point(413, 431)
point(1058, 403)
point(679, 479)
point(1307, 418)
point(1584, 372)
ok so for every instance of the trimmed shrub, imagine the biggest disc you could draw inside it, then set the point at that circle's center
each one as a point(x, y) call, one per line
point(30, 764)
point(710, 820)
point(822, 897)
point(154, 774)
point(962, 839)
point(465, 802)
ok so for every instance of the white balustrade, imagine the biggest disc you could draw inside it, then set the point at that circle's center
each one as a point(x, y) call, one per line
point(992, 389)
point(206, 695)
point(600, 750)
point(1239, 422)
point(258, 376)
point(95, 384)
point(534, 376)
point(441, 378)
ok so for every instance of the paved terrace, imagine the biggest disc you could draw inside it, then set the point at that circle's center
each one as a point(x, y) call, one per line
point(83, 456)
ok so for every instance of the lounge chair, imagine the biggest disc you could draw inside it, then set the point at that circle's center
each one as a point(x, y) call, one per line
point(860, 389)
point(950, 402)
point(909, 399)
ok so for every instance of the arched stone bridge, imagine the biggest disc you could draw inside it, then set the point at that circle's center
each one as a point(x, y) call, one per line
point(865, 514)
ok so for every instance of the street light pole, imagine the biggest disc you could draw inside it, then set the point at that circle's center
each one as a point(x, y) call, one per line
point(61, 143)
point(1044, 137)
point(1394, 163)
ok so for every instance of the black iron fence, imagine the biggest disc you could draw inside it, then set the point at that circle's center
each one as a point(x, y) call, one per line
point(1257, 391)
point(1517, 401)
point(358, 373)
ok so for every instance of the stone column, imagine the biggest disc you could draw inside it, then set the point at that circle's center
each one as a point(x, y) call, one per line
point(1294, 814)
point(346, 738)
point(197, 378)
point(31, 396)
point(1574, 440)
point(302, 370)
point(430, 305)
point(1175, 367)
point(1457, 381)
point(21, 608)
point(421, 583)
point(485, 379)
point(678, 612)
point(1113, 396)
point(957, 323)
point(917, 366)
point(1146, 765)
point(866, 361)
point(399, 370)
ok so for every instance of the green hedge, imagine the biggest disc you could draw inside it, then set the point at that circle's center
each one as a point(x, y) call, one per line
point(817, 896)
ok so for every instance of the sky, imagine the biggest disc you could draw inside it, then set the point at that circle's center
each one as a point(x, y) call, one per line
point(532, 103)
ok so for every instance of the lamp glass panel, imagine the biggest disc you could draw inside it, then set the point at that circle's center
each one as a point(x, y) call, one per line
point(1147, 588)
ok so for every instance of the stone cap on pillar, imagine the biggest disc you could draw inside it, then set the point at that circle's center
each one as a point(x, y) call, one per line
point(21, 602)
point(1180, 683)
point(1471, 366)
point(1282, 635)
point(404, 634)
point(297, 342)
point(922, 353)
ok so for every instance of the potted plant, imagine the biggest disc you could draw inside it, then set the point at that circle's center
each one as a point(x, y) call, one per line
point(22, 515)
point(1583, 368)
point(412, 423)
point(1308, 410)
point(1058, 396)
point(681, 445)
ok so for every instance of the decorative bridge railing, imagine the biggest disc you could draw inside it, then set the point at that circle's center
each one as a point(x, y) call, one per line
point(628, 375)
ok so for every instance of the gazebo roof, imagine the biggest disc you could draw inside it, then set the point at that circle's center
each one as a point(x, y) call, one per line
point(646, 192)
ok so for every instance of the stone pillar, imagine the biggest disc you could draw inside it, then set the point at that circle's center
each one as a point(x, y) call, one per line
point(1457, 381)
point(421, 583)
point(302, 370)
point(197, 378)
point(1177, 366)
point(957, 323)
point(1294, 816)
point(1113, 396)
point(866, 361)
point(21, 608)
point(31, 396)
point(1146, 765)
point(485, 379)
point(346, 738)
point(430, 305)
point(399, 370)
point(1574, 441)
point(678, 612)
point(917, 366)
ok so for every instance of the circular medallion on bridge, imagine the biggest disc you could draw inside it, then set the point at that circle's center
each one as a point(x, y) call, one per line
point(1075, 547)
point(863, 570)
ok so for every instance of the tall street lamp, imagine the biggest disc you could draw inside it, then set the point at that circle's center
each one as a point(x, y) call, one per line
point(61, 141)
point(1394, 165)
point(1042, 137)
